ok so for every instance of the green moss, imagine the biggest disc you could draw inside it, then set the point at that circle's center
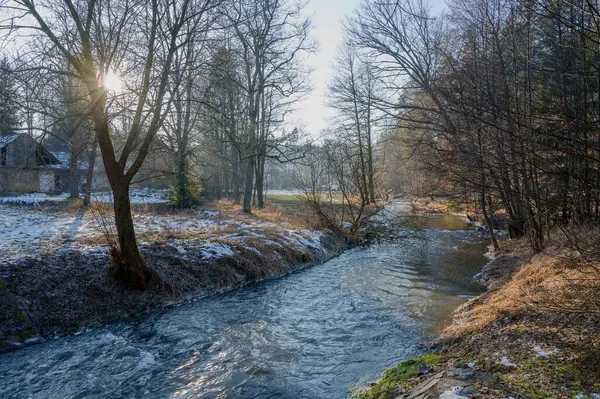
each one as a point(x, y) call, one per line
point(392, 379)
point(22, 317)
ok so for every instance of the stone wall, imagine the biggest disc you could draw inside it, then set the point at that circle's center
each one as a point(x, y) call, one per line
point(18, 181)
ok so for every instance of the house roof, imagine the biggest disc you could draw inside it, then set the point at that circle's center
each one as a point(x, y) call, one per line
point(6, 140)
point(64, 158)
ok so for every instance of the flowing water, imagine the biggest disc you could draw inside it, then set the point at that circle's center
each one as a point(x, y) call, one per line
point(312, 334)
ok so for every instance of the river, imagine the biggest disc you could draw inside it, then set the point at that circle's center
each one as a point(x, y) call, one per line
point(313, 334)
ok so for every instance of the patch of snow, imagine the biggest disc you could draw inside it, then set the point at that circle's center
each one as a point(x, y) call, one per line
point(595, 395)
point(308, 243)
point(180, 249)
point(32, 198)
point(33, 231)
point(65, 159)
point(215, 250)
point(256, 251)
point(505, 361)
point(471, 364)
point(136, 196)
point(5, 140)
point(273, 243)
point(490, 254)
point(451, 395)
point(210, 214)
point(545, 354)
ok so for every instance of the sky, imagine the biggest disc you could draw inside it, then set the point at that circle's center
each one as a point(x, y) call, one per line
point(327, 16)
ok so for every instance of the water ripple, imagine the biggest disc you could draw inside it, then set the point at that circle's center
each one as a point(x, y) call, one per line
point(313, 334)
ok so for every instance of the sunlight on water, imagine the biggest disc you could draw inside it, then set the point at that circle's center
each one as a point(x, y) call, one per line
point(313, 334)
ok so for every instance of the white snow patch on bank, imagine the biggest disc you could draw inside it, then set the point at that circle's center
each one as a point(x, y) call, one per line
point(137, 196)
point(544, 354)
point(216, 250)
point(31, 230)
point(505, 361)
point(33, 198)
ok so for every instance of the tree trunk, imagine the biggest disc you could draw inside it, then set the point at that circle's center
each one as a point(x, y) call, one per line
point(73, 175)
point(488, 220)
point(249, 185)
point(131, 268)
point(237, 196)
point(260, 183)
point(87, 194)
point(182, 189)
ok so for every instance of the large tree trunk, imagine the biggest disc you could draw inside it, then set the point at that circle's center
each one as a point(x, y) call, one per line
point(131, 267)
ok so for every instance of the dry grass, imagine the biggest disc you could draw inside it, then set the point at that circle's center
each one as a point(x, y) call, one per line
point(547, 283)
point(289, 210)
point(548, 300)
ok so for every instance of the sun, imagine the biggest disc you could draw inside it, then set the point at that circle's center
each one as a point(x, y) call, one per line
point(112, 82)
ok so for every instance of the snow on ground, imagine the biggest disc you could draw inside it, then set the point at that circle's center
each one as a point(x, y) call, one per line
point(34, 229)
point(137, 196)
point(32, 198)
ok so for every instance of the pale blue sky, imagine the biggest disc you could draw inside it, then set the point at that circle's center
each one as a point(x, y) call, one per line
point(327, 17)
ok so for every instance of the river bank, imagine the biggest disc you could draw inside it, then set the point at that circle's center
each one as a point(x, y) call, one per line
point(516, 340)
point(312, 334)
point(55, 280)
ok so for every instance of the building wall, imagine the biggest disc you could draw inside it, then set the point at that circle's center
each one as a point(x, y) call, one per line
point(21, 153)
point(16, 181)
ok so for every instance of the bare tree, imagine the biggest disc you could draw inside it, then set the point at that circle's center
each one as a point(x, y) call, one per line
point(272, 38)
point(137, 41)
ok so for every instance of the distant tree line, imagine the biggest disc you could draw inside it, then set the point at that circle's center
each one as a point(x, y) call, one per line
point(495, 100)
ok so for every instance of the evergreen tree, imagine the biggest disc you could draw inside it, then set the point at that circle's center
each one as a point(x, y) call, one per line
point(9, 111)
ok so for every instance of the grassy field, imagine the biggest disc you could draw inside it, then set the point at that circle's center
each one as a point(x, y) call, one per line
point(287, 200)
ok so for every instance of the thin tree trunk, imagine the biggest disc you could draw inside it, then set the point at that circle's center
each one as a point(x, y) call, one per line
point(260, 182)
point(73, 174)
point(488, 220)
point(249, 185)
point(237, 195)
point(90, 175)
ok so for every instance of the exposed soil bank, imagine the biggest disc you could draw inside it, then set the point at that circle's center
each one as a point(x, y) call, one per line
point(45, 295)
point(509, 342)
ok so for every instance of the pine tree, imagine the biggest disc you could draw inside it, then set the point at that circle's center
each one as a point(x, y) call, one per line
point(9, 111)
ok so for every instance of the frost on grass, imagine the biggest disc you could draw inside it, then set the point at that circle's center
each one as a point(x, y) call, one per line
point(28, 230)
point(216, 250)
point(544, 354)
point(137, 196)
point(33, 198)
point(505, 361)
